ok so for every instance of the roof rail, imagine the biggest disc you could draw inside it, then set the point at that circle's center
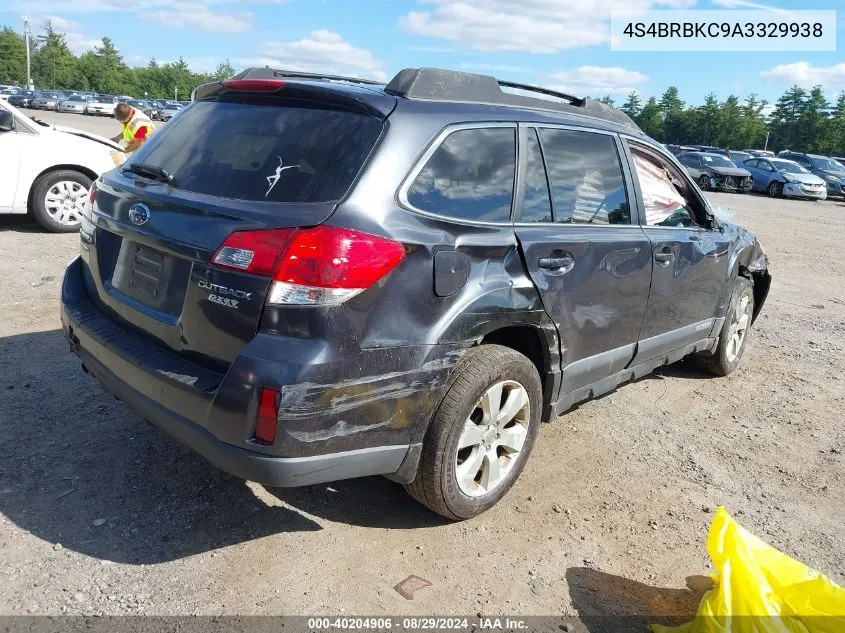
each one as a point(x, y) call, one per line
point(576, 101)
point(272, 73)
point(434, 84)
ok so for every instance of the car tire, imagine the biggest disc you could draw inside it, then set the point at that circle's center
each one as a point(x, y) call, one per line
point(704, 182)
point(775, 189)
point(486, 372)
point(734, 333)
point(55, 184)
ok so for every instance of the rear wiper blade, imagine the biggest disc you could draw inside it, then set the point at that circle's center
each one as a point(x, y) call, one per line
point(151, 171)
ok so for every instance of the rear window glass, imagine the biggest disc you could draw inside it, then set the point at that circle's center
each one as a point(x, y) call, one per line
point(277, 153)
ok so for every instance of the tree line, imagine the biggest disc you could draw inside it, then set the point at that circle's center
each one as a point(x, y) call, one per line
point(802, 120)
point(102, 70)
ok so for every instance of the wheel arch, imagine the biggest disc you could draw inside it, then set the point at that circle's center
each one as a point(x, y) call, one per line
point(90, 173)
point(539, 343)
point(761, 281)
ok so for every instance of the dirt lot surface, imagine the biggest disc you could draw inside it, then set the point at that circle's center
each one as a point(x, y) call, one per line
point(103, 514)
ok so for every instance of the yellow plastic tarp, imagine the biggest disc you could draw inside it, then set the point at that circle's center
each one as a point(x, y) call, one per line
point(760, 590)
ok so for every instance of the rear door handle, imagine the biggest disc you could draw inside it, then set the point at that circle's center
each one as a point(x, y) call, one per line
point(557, 264)
point(664, 257)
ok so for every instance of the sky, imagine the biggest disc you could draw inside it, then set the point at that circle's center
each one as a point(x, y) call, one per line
point(557, 43)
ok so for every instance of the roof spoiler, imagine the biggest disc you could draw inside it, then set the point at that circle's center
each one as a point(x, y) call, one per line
point(319, 87)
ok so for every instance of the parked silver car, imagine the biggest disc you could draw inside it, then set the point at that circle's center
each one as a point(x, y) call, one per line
point(47, 100)
point(75, 103)
point(170, 110)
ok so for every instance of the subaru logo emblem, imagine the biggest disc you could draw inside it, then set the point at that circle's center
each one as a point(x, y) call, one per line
point(139, 214)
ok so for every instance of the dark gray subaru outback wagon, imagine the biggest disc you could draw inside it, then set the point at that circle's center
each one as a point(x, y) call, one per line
point(307, 278)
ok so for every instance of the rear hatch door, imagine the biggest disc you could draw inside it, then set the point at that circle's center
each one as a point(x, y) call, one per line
point(234, 163)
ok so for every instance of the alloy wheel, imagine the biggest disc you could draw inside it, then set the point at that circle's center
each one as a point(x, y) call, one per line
point(738, 328)
point(492, 438)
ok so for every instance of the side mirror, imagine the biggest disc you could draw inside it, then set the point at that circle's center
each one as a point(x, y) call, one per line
point(7, 121)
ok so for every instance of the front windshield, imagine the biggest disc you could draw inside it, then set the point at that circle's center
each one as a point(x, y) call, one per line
point(827, 164)
point(716, 160)
point(103, 100)
point(739, 156)
point(787, 167)
point(76, 98)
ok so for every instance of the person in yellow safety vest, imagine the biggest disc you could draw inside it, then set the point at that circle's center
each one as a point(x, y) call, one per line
point(137, 127)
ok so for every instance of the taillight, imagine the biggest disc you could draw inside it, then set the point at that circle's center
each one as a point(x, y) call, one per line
point(319, 266)
point(253, 85)
point(267, 418)
point(253, 252)
point(92, 193)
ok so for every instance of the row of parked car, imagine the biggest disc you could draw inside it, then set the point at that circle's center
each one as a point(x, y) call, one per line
point(91, 103)
point(791, 174)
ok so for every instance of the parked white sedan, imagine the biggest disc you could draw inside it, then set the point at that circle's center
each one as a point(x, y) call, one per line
point(101, 105)
point(48, 169)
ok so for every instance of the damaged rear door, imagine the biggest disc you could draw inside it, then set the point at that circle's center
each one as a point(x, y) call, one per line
point(589, 261)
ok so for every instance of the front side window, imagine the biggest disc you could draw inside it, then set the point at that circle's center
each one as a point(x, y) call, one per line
point(664, 195)
point(470, 176)
point(585, 176)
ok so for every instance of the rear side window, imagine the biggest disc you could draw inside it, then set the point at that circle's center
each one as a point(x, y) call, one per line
point(537, 205)
point(270, 152)
point(469, 177)
point(586, 177)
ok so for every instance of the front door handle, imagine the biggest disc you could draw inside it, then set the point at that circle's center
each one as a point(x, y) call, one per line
point(664, 257)
point(557, 264)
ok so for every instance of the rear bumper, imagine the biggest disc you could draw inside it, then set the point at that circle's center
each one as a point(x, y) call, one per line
point(352, 427)
point(270, 471)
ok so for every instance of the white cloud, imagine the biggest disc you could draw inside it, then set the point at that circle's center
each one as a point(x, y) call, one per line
point(75, 37)
point(320, 51)
point(136, 60)
point(205, 15)
point(535, 26)
point(597, 81)
point(806, 75)
point(199, 16)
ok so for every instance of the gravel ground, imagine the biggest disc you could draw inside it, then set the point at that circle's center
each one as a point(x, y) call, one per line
point(101, 514)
